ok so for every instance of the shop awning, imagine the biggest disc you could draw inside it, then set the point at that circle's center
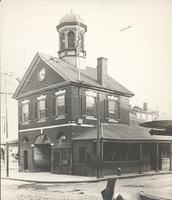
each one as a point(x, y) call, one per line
point(158, 124)
point(123, 133)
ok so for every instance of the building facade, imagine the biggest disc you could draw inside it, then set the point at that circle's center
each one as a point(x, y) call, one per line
point(61, 102)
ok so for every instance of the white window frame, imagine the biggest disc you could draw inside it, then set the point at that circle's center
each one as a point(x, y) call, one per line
point(115, 113)
point(39, 99)
point(90, 95)
point(60, 93)
point(25, 104)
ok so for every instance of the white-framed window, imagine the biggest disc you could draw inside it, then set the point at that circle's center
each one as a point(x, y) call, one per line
point(60, 105)
point(112, 107)
point(41, 110)
point(91, 104)
point(60, 98)
point(25, 112)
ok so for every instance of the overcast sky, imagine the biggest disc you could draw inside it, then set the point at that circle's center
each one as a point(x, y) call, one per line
point(139, 57)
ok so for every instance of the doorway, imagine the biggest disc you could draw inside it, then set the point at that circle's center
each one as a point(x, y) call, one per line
point(25, 159)
point(61, 161)
point(42, 157)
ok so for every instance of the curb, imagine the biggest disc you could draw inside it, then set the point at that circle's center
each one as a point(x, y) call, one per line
point(87, 181)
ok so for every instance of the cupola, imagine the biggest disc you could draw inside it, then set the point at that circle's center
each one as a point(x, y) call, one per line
point(72, 31)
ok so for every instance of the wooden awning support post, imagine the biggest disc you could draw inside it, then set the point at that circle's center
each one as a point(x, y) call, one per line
point(140, 158)
point(170, 156)
point(157, 157)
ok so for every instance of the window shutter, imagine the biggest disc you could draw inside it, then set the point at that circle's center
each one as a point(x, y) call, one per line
point(46, 108)
point(83, 103)
point(36, 110)
point(20, 113)
point(54, 106)
point(106, 107)
point(30, 111)
point(66, 109)
point(95, 107)
point(118, 109)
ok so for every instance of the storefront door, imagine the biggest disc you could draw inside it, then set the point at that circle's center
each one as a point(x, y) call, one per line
point(61, 161)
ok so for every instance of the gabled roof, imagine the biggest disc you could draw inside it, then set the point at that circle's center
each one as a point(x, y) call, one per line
point(70, 73)
point(122, 132)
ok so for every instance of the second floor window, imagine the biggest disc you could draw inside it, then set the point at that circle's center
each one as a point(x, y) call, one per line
point(112, 109)
point(90, 106)
point(60, 105)
point(25, 113)
point(41, 110)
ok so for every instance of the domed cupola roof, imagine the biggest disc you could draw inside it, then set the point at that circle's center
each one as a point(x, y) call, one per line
point(70, 20)
point(71, 17)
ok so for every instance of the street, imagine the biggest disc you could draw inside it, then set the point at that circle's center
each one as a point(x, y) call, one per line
point(159, 185)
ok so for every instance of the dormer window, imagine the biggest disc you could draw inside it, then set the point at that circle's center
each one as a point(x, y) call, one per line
point(71, 40)
point(62, 41)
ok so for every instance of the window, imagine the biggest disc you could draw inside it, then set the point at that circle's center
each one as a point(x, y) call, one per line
point(82, 154)
point(71, 40)
point(62, 41)
point(90, 106)
point(60, 105)
point(25, 112)
point(41, 110)
point(113, 110)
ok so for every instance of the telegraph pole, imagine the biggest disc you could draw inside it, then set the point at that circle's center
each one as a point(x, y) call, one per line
point(6, 125)
point(98, 136)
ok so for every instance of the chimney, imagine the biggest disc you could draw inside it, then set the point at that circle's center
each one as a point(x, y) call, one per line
point(101, 70)
point(145, 106)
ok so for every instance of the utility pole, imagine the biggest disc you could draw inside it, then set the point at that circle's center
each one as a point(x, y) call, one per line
point(6, 125)
point(98, 137)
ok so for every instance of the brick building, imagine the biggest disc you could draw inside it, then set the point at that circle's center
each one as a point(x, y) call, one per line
point(60, 101)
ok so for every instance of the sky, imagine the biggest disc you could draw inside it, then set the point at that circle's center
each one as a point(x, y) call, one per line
point(139, 57)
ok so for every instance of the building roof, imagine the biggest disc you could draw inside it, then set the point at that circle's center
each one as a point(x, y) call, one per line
point(70, 73)
point(122, 133)
point(71, 17)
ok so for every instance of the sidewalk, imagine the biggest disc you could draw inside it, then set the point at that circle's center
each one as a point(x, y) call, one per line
point(47, 177)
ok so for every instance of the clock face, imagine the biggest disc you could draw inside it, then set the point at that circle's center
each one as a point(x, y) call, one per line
point(41, 74)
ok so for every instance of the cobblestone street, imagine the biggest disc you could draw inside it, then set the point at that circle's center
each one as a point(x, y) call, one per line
point(160, 185)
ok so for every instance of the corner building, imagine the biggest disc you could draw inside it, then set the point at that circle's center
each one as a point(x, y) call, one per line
point(59, 102)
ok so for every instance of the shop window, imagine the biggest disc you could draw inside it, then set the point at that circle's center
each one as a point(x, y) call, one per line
point(82, 154)
point(165, 149)
point(64, 158)
point(71, 40)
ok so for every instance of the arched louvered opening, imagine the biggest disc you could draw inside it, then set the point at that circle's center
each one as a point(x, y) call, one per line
point(71, 40)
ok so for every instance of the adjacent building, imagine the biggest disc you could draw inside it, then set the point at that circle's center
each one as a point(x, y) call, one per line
point(144, 113)
point(61, 101)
